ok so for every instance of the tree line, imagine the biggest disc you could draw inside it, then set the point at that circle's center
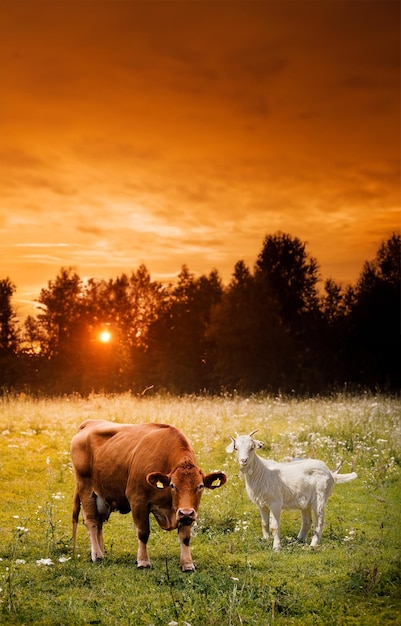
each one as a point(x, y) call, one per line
point(269, 330)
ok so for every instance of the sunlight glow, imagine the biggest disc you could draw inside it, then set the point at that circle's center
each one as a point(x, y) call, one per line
point(105, 336)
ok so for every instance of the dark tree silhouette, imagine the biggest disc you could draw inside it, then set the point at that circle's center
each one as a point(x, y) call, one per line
point(68, 327)
point(8, 336)
point(291, 275)
point(373, 350)
point(269, 330)
point(8, 328)
point(288, 276)
point(126, 306)
point(179, 352)
point(60, 331)
point(250, 343)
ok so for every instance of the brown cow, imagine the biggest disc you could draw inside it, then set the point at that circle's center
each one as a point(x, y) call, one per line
point(143, 468)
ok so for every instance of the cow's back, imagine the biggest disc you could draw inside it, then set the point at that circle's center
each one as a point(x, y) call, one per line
point(161, 451)
point(105, 453)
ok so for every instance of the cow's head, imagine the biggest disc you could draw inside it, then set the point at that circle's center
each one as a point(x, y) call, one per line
point(186, 484)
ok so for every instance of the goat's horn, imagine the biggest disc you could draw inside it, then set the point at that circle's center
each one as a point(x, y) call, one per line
point(252, 433)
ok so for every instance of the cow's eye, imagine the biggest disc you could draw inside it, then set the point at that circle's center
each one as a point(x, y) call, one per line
point(172, 485)
point(202, 486)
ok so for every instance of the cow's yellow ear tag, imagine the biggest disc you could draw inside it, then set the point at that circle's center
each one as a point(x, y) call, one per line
point(159, 484)
point(216, 483)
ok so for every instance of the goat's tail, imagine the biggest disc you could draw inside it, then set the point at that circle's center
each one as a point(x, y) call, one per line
point(75, 516)
point(343, 478)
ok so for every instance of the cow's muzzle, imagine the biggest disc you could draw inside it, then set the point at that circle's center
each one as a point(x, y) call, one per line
point(186, 517)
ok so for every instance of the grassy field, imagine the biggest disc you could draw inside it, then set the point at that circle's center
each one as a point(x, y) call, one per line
point(352, 578)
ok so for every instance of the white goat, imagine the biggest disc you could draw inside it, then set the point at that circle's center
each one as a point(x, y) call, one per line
point(272, 486)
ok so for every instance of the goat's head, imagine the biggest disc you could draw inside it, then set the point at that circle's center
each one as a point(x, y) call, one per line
point(245, 447)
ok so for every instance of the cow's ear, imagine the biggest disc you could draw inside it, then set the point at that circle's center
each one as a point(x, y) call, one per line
point(158, 480)
point(214, 480)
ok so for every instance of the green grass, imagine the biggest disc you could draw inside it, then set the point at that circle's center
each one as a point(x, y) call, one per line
point(352, 578)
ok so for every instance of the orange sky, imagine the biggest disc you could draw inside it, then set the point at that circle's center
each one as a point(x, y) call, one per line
point(184, 131)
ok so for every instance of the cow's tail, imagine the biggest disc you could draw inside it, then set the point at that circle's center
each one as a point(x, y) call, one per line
point(75, 516)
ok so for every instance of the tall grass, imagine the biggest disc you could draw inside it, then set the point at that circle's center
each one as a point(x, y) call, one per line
point(353, 577)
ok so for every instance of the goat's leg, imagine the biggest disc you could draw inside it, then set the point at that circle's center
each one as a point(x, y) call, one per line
point(319, 523)
point(275, 513)
point(265, 515)
point(306, 524)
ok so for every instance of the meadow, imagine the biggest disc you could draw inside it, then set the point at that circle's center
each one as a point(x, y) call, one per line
point(352, 578)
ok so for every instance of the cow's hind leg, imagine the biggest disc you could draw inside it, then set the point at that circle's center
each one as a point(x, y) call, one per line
point(184, 535)
point(75, 517)
point(93, 524)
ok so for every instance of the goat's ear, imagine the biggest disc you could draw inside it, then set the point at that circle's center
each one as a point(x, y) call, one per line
point(230, 448)
point(258, 444)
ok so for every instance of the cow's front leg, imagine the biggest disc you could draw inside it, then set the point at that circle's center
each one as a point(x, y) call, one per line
point(184, 535)
point(143, 531)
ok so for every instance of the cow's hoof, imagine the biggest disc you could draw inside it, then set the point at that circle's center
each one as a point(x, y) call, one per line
point(143, 565)
point(188, 569)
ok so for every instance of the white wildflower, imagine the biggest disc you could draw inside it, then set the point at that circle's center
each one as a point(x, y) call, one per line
point(64, 559)
point(20, 562)
point(44, 562)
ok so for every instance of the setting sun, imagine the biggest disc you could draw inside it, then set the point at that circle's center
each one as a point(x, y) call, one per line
point(105, 336)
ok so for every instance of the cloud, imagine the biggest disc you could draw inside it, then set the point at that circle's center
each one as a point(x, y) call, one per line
point(166, 133)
